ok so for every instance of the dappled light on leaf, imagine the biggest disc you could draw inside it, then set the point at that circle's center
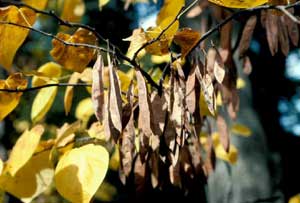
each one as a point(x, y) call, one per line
point(80, 172)
point(46, 73)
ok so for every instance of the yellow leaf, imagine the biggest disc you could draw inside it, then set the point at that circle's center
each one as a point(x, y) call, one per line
point(241, 130)
point(169, 10)
point(231, 156)
point(80, 172)
point(40, 4)
point(42, 103)
point(239, 3)
point(31, 180)
point(84, 109)
point(161, 47)
point(24, 149)
point(46, 73)
point(66, 133)
point(86, 76)
point(161, 59)
point(240, 83)
point(137, 39)
point(9, 101)
point(70, 57)
point(295, 199)
point(13, 36)
point(102, 3)
point(97, 131)
point(70, 91)
point(72, 10)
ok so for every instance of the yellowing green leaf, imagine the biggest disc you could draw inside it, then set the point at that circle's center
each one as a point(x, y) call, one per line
point(102, 3)
point(239, 3)
point(31, 180)
point(72, 10)
point(70, 57)
point(241, 130)
point(70, 91)
point(8, 100)
point(46, 73)
point(295, 199)
point(13, 36)
point(80, 172)
point(84, 109)
point(24, 149)
point(42, 103)
point(40, 4)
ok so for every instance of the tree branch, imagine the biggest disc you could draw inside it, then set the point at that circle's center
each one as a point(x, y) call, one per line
point(45, 86)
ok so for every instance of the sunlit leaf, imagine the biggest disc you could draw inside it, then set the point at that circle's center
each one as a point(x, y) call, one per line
point(70, 91)
point(42, 103)
point(66, 133)
point(239, 3)
point(240, 129)
point(80, 172)
point(295, 199)
point(72, 10)
point(70, 57)
point(97, 131)
point(48, 72)
point(13, 36)
point(161, 46)
point(40, 4)
point(23, 149)
point(9, 101)
point(137, 39)
point(31, 180)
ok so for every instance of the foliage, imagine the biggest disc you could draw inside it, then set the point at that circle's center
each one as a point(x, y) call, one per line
point(176, 120)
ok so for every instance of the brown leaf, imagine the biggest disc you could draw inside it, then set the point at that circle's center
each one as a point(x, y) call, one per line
point(154, 167)
point(219, 68)
point(145, 113)
point(283, 37)
point(224, 132)
point(233, 106)
point(174, 170)
point(194, 149)
point(98, 88)
point(198, 9)
point(247, 66)
point(210, 160)
point(244, 43)
point(139, 175)
point(160, 104)
point(272, 31)
point(210, 61)
point(190, 97)
point(209, 94)
point(292, 27)
point(186, 38)
point(127, 147)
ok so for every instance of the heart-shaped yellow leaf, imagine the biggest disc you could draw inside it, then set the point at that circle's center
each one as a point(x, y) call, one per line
point(80, 172)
